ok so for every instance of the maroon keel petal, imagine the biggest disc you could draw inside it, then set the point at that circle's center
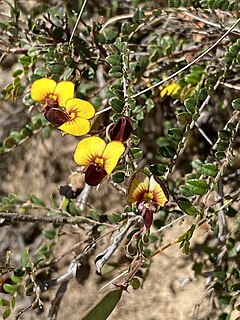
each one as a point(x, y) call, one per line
point(94, 175)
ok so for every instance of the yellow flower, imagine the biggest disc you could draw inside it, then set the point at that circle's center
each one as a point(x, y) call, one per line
point(169, 90)
point(45, 90)
point(148, 193)
point(98, 158)
point(79, 112)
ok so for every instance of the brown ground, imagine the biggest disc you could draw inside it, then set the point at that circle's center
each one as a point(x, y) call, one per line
point(163, 296)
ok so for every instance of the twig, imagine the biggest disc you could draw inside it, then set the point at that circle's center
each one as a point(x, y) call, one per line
point(82, 199)
point(57, 300)
point(103, 110)
point(171, 223)
point(190, 64)
point(104, 256)
point(72, 269)
point(78, 19)
point(57, 220)
point(22, 311)
point(231, 86)
point(198, 304)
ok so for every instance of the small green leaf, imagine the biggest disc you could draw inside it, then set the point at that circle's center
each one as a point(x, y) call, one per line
point(117, 91)
point(188, 234)
point(137, 153)
point(116, 104)
point(94, 215)
point(190, 105)
point(105, 306)
point(149, 104)
point(209, 169)
point(110, 35)
point(167, 151)
point(13, 302)
point(37, 122)
point(196, 186)
point(25, 258)
point(192, 79)
point(9, 288)
point(114, 59)
point(139, 16)
point(3, 302)
point(6, 313)
point(114, 218)
point(10, 142)
point(36, 200)
point(220, 155)
point(135, 283)
point(118, 177)
point(222, 145)
point(236, 104)
point(50, 233)
point(107, 269)
point(157, 169)
point(67, 73)
point(25, 60)
point(224, 135)
point(115, 72)
point(185, 191)
point(25, 132)
point(225, 299)
point(184, 118)
point(175, 133)
point(17, 73)
point(16, 279)
point(186, 206)
point(72, 208)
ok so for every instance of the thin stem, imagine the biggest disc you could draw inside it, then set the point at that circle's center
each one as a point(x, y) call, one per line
point(171, 223)
point(16, 217)
point(190, 64)
point(78, 19)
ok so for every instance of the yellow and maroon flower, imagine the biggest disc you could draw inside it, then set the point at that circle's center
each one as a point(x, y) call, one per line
point(77, 115)
point(148, 193)
point(98, 158)
point(48, 92)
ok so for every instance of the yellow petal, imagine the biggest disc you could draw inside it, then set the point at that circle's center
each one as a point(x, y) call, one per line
point(64, 91)
point(169, 90)
point(88, 150)
point(42, 88)
point(84, 108)
point(138, 186)
point(77, 127)
point(111, 155)
point(159, 195)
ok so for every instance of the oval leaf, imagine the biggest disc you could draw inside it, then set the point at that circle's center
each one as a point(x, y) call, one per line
point(105, 306)
point(196, 186)
point(186, 206)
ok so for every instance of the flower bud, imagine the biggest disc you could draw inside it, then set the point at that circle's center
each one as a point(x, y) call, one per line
point(121, 129)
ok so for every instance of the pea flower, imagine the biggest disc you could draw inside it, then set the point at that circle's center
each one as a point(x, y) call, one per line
point(47, 91)
point(98, 158)
point(121, 129)
point(78, 112)
point(75, 119)
point(148, 193)
point(71, 115)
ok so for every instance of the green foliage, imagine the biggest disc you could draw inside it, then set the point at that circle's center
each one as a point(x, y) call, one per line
point(105, 306)
point(137, 62)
